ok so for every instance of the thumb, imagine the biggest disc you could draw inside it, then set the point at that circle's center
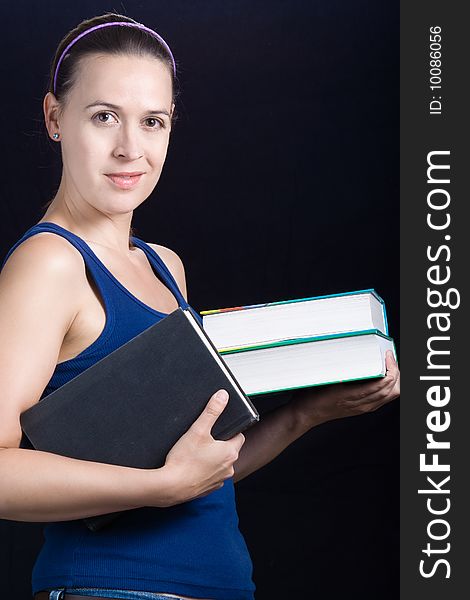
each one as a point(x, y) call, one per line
point(390, 362)
point(213, 410)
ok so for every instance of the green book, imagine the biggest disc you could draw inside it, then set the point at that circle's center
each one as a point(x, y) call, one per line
point(309, 361)
point(243, 326)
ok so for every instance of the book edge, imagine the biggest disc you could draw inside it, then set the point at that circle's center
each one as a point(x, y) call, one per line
point(291, 301)
point(303, 340)
point(298, 387)
point(216, 355)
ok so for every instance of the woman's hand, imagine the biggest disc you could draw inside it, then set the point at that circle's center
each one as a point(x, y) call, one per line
point(198, 464)
point(326, 403)
point(309, 407)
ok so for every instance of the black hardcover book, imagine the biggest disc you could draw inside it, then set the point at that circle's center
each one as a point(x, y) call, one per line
point(132, 406)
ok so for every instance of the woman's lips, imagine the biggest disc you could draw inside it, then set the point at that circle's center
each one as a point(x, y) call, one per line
point(125, 182)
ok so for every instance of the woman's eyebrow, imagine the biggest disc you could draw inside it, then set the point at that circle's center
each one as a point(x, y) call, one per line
point(116, 107)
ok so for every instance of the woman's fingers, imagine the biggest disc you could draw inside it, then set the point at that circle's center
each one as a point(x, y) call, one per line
point(390, 362)
point(352, 398)
point(388, 391)
point(368, 390)
point(239, 439)
point(377, 399)
point(396, 387)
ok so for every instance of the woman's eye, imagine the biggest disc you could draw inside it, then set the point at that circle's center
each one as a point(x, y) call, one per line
point(154, 123)
point(101, 114)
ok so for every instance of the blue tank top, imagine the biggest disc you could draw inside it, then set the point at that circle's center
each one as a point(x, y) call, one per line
point(193, 549)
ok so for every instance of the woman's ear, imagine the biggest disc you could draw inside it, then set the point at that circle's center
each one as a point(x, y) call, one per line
point(50, 107)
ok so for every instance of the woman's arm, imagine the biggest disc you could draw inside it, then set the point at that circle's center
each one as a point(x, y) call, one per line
point(308, 408)
point(39, 287)
point(41, 486)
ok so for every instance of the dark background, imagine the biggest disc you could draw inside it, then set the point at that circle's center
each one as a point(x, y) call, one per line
point(281, 182)
point(421, 133)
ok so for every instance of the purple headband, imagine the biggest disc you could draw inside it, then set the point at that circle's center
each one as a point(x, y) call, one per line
point(122, 24)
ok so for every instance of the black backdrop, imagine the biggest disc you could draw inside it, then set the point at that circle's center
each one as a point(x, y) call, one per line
point(281, 182)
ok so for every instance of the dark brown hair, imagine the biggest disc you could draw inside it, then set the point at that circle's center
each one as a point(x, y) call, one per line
point(107, 40)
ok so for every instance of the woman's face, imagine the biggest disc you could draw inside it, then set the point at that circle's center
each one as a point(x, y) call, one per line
point(117, 120)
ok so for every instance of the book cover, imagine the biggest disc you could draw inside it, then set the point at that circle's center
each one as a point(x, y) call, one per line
point(265, 304)
point(132, 406)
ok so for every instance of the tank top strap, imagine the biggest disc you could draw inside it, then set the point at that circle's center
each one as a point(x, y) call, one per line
point(162, 269)
point(90, 258)
point(106, 282)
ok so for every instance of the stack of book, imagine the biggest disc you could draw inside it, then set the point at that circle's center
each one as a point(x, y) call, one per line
point(300, 343)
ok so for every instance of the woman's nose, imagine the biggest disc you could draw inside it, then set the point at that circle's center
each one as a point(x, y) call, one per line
point(128, 144)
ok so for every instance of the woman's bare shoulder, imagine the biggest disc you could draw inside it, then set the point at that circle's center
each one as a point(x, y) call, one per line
point(40, 287)
point(174, 264)
point(41, 254)
point(43, 268)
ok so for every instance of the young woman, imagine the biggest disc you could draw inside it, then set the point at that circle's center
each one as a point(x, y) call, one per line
point(76, 286)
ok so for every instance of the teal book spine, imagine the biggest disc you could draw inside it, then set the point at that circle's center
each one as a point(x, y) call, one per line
point(303, 340)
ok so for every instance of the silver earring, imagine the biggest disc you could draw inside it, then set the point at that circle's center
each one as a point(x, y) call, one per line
point(55, 136)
